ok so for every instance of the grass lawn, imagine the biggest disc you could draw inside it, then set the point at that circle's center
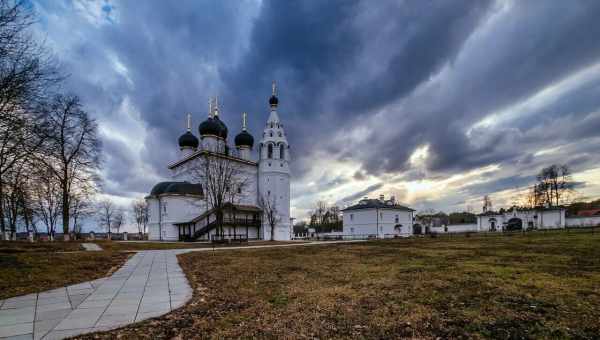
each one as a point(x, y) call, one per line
point(134, 246)
point(31, 267)
point(538, 285)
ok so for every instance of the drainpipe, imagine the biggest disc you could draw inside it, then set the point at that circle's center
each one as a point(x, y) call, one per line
point(159, 219)
point(377, 213)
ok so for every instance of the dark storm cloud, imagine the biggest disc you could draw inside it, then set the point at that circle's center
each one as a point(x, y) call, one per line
point(404, 74)
point(314, 48)
point(524, 54)
point(362, 193)
point(510, 182)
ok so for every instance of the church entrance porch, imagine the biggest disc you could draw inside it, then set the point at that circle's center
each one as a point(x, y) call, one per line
point(237, 223)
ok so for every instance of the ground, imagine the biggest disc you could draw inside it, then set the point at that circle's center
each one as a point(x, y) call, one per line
point(32, 267)
point(537, 285)
point(155, 245)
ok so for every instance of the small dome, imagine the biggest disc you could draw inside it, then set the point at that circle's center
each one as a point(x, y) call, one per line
point(273, 101)
point(188, 140)
point(223, 128)
point(244, 139)
point(209, 127)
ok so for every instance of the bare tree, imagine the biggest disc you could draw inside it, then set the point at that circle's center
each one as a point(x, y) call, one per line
point(554, 185)
point(106, 213)
point(46, 194)
point(27, 75)
point(73, 150)
point(223, 179)
point(140, 215)
point(26, 203)
point(269, 207)
point(81, 207)
point(118, 219)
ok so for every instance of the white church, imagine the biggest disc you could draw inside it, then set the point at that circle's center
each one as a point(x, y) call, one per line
point(180, 209)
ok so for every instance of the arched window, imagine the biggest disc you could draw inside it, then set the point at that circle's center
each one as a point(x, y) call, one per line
point(281, 151)
point(270, 151)
point(271, 134)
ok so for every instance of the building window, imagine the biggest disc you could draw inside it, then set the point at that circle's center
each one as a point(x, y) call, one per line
point(352, 217)
point(239, 190)
point(281, 151)
point(270, 151)
point(269, 193)
point(397, 219)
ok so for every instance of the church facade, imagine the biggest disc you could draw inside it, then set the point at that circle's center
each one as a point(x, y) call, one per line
point(219, 191)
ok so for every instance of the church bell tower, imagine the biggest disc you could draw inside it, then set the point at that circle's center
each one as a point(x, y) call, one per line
point(274, 173)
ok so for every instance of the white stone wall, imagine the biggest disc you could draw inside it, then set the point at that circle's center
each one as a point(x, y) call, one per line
point(539, 219)
point(455, 228)
point(587, 221)
point(366, 222)
point(172, 209)
point(248, 173)
point(490, 223)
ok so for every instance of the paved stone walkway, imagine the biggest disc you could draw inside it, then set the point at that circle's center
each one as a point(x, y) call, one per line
point(150, 284)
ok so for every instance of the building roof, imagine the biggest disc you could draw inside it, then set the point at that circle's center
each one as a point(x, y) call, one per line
point(209, 153)
point(376, 204)
point(181, 188)
point(589, 212)
point(489, 213)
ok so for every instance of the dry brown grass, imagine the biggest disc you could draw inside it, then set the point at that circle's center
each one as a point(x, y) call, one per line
point(33, 267)
point(136, 246)
point(526, 286)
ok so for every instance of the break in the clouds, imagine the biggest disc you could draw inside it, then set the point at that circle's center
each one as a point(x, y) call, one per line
point(436, 102)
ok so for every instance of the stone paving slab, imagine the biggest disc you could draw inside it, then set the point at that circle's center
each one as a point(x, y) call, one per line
point(91, 247)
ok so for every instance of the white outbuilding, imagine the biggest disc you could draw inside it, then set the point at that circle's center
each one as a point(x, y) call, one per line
point(377, 218)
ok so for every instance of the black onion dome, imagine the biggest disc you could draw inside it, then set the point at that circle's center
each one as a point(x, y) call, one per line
point(244, 139)
point(209, 127)
point(188, 139)
point(273, 101)
point(223, 131)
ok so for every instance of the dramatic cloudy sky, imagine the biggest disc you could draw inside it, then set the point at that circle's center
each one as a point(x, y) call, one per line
point(435, 102)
